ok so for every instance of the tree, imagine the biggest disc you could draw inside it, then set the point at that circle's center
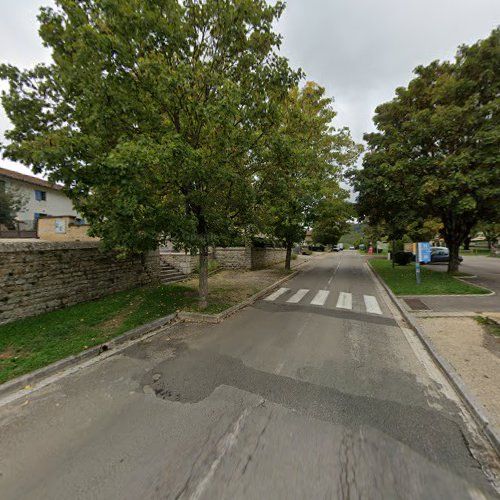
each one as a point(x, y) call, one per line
point(331, 218)
point(148, 115)
point(491, 231)
point(436, 152)
point(300, 163)
point(10, 204)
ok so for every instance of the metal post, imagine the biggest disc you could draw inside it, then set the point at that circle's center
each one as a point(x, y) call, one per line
point(417, 265)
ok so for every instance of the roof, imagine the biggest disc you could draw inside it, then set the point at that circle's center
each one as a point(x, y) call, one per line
point(11, 174)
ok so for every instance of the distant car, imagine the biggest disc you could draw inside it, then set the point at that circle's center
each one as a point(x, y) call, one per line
point(441, 254)
point(351, 248)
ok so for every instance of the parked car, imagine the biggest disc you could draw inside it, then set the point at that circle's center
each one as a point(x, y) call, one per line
point(441, 254)
point(352, 247)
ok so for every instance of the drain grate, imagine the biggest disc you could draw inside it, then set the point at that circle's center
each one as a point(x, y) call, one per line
point(417, 305)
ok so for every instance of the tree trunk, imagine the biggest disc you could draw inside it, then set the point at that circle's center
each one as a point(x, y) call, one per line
point(288, 259)
point(393, 253)
point(203, 286)
point(467, 243)
point(454, 248)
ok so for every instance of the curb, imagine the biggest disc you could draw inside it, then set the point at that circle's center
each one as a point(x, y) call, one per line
point(192, 317)
point(35, 376)
point(470, 401)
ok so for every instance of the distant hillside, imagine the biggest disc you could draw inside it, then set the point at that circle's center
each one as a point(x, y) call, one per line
point(355, 234)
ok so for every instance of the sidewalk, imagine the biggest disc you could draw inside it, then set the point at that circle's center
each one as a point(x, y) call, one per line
point(473, 353)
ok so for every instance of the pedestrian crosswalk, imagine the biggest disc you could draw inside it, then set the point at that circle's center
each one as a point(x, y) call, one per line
point(368, 303)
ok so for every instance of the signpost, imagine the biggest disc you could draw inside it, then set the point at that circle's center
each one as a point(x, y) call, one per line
point(422, 254)
point(417, 264)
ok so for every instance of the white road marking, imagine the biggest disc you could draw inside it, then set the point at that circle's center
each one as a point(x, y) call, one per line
point(279, 368)
point(277, 294)
point(344, 301)
point(224, 446)
point(298, 296)
point(372, 304)
point(320, 298)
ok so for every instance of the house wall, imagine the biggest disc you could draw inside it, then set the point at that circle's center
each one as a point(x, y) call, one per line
point(48, 230)
point(37, 277)
point(57, 203)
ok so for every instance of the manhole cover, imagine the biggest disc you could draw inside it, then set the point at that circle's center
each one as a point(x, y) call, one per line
point(417, 305)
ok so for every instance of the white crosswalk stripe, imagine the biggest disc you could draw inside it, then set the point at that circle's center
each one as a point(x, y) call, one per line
point(320, 298)
point(372, 304)
point(276, 294)
point(298, 296)
point(344, 301)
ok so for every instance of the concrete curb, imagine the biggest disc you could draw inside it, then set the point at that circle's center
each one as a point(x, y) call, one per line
point(37, 375)
point(193, 317)
point(469, 400)
point(46, 371)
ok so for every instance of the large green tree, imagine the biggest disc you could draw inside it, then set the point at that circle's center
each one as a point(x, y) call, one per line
point(437, 149)
point(149, 114)
point(331, 217)
point(302, 162)
point(11, 202)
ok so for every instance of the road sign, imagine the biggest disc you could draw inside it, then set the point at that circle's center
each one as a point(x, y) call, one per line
point(424, 252)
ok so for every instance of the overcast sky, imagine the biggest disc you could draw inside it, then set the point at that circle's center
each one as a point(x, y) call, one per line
point(360, 50)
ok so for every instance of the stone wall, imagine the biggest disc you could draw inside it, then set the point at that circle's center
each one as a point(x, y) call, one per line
point(37, 277)
point(249, 258)
point(228, 258)
point(267, 257)
point(234, 257)
point(185, 263)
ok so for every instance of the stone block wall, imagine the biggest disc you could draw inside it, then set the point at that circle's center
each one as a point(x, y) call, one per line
point(234, 257)
point(37, 277)
point(185, 263)
point(267, 257)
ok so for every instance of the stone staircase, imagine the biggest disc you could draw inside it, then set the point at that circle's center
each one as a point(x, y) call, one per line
point(168, 274)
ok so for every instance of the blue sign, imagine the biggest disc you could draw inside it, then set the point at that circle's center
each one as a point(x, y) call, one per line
point(424, 252)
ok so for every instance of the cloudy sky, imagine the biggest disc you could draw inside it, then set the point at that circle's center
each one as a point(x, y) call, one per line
point(360, 50)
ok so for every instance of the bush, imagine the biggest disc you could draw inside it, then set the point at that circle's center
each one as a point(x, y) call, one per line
point(403, 258)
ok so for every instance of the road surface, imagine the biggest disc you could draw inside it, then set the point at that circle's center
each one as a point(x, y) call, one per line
point(487, 274)
point(317, 391)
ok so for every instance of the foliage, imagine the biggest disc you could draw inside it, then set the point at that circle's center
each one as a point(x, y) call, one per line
point(401, 280)
point(301, 164)
point(331, 218)
point(436, 151)
point(149, 114)
point(11, 203)
point(491, 231)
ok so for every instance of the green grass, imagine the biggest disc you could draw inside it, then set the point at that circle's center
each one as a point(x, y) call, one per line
point(31, 343)
point(491, 326)
point(401, 280)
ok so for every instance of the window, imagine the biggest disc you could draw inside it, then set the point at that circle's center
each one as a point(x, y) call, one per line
point(40, 195)
point(2, 186)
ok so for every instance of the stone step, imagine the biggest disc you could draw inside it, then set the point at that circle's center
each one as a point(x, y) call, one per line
point(171, 279)
point(170, 271)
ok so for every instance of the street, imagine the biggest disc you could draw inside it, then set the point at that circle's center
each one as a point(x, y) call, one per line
point(487, 274)
point(316, 391)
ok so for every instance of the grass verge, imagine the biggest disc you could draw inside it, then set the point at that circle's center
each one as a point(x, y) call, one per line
point(401, 280)
point(492, 327)
point(31, 343)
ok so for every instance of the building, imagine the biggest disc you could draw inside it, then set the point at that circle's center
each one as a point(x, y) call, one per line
point(41, 199)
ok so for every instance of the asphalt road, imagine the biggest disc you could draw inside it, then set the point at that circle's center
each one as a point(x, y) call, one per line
point(487, 274)
point(317, 392)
